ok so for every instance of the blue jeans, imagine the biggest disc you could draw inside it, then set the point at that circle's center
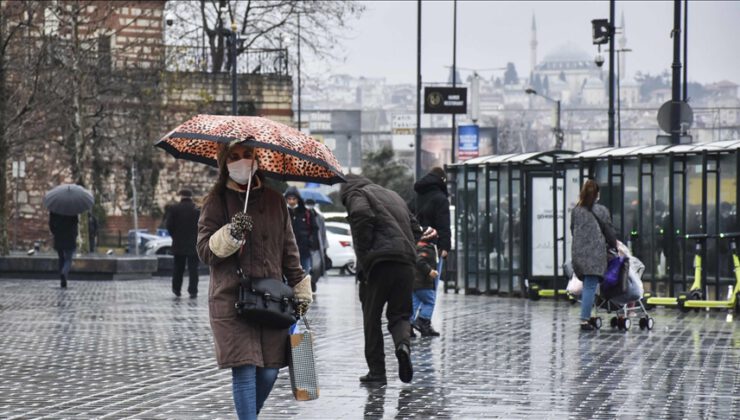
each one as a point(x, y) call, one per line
point(65, 261)
point(423, 301)
point(251, 385)
point(587, 297)
point(306, 264)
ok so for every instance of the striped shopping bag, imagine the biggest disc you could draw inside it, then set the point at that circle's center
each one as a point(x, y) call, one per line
point(303, 377)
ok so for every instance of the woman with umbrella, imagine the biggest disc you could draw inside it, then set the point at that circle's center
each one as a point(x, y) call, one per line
point(244, 224)
point(253, 353)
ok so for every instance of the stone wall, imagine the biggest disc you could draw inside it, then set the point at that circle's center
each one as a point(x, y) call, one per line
point(184, 95)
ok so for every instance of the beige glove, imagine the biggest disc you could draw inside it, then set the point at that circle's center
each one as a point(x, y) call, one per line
point(303, 295)
point(222, 244)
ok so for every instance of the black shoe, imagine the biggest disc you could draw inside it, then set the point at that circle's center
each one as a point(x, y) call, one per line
point(193, 295)
point(374, 378)
point(176, 292)
point(426, 329)
point(405, 370)
point(64, 282)
point(587, 326)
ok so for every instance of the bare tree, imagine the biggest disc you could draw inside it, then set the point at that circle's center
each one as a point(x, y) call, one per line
point(20, 66)
point(261, 24)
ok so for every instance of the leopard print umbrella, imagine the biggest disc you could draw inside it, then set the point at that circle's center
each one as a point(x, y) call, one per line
point(282, 151)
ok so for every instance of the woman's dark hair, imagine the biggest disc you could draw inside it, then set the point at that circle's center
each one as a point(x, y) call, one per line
point(589, 194)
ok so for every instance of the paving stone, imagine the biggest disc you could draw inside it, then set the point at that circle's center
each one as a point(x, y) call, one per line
point(129, 349)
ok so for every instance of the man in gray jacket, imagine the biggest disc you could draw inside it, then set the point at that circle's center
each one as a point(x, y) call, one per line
point(384, 233)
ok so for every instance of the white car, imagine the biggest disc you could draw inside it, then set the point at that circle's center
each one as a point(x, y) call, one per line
point(157, 245)
point(340, 252)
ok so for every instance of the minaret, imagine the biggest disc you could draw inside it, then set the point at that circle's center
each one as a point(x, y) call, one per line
point(533, 47)
point(623, 45)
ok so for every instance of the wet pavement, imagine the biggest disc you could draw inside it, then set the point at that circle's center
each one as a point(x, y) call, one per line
point(129, 349)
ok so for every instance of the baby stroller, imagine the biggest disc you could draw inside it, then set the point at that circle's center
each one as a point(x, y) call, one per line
point(624, 297)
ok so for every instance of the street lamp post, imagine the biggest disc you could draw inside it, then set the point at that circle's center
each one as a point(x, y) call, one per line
point(559, 137)
point(619, 95)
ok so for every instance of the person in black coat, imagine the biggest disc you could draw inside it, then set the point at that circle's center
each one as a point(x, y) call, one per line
point(64, 229)
point(432, 209)
point(384, 234)
point(182, 224)
point(305, 227)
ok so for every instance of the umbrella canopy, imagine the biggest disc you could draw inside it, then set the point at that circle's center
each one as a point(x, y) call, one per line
point(68, 199)
point(283, 152)
point(315, 195)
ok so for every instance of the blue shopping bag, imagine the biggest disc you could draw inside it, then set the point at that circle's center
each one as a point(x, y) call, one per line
point(613, 270)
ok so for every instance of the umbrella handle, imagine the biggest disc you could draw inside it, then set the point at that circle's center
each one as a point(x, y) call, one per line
point(249, 186)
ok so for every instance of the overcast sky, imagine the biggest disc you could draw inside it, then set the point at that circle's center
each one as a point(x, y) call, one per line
point(492, 33)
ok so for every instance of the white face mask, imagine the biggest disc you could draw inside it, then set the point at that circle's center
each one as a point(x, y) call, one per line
point(240, 172)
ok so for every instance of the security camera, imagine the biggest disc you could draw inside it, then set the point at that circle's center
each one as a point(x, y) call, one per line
point(599, 60)
point(169, 19)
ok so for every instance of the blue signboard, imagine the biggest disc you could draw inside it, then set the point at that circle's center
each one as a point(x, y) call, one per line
point(468, 136)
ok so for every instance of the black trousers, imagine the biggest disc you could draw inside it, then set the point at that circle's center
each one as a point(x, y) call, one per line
point(388, 283)
point(179, 270)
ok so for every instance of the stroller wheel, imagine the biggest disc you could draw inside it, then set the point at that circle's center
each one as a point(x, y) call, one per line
point(650, 323)
point(627, 323)
point(596, 322)
point(613, 322)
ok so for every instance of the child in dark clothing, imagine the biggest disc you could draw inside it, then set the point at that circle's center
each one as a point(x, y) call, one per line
point(424, 293)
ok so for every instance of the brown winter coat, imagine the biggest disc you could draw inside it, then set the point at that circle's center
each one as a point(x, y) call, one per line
point(270, 251)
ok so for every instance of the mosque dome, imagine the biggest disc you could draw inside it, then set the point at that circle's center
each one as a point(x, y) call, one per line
point(567, 56)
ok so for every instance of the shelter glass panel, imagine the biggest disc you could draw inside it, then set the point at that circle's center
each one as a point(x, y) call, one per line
point(471, 226)
point(504, 223)
point(728, 222)
point(516, 228)
point(483, 234)
point(495, 248)
point(662, 236)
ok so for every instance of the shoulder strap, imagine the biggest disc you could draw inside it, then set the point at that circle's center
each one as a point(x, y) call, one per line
point(611, 240)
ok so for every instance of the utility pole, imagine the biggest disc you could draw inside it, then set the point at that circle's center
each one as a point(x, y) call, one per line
point(611, 72)
point(232, 51)
point(417, 152)
point(135, 207)
point(454, 71)
point(299, 71)
point(676, 77)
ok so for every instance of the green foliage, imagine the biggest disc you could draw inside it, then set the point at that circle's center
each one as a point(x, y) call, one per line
point(382, 168)
point(336, 205)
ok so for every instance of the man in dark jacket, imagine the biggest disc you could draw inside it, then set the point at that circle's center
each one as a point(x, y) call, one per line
point(305, 227)
point(182, 224)
point(64, 229)
point(432, 208)
point(384, 233)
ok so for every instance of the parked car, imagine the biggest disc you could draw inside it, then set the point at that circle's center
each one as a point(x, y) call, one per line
point(340, 253)
point(150, 244)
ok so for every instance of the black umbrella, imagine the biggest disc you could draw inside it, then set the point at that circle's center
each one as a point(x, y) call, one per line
point(68, 200)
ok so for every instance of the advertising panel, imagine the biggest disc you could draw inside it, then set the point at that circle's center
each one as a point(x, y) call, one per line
point(468, 136)
point(543, 246)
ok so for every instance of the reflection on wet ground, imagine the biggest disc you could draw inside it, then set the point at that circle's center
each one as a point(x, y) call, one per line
point(130, 349)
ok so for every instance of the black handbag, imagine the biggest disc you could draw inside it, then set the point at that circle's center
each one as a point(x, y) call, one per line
point(268, 302)
point(265, 301)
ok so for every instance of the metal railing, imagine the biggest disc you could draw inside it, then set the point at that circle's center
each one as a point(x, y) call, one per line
point(250, 61)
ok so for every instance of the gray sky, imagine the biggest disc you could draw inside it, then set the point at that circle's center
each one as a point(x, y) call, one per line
point(492, 33)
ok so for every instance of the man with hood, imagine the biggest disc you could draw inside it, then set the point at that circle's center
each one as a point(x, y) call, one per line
point(384, 234)
point(432, 209)
point(305, 227)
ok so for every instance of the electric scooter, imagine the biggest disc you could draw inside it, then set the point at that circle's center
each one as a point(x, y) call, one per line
point(695, 291)
point(733, 300)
